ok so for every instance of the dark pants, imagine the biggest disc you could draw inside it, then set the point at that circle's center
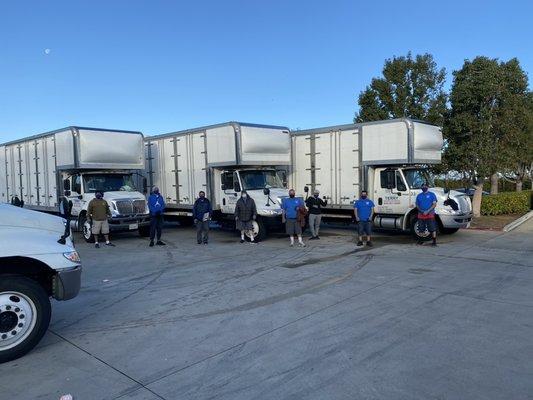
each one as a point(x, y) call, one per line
point(156, 225)
point(430, 224)
point(364, 228)
point(202, 231)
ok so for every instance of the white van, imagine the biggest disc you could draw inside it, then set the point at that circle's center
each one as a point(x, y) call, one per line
point(34, 266)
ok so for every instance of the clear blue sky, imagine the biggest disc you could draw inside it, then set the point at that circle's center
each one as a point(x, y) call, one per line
point(159, 66)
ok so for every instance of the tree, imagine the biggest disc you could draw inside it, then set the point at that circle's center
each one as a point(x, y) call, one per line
point(487, 119)
point(409, 88)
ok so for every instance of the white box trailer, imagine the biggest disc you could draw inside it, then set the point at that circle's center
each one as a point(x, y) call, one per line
point(76, 162)
point(389, 159)
point(221, 160)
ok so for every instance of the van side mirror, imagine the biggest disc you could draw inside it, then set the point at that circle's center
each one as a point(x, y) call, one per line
point(306, 189)
point(236, 186)
point(266, 191)
point(66, 184)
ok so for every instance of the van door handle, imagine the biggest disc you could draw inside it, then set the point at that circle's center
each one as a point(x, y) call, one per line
point(380, 201)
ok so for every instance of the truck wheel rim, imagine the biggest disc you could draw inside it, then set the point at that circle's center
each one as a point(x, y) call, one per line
point(424, 234)
point(86, 230)
point(255, 230)
point(17, 319)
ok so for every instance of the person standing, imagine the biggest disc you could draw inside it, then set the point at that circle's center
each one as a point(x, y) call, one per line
point(363, 212)
point(202, 214)
point(245, 214)
point(97, 214)
point(290, 206)
point(65, 211)
point(426, 203)
point(315, 204)
point(156, 205)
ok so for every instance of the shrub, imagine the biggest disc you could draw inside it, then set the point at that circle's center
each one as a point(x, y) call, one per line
point(506, 203)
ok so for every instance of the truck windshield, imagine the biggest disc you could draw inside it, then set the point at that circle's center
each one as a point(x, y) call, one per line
point(416, 177)
point(108, 183)
point(260, 179)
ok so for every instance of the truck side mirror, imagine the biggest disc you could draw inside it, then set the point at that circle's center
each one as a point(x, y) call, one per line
point(223, 187)
point(266, 191)
point(145, 185)
point(236, 186)
point(306, 189)
point(66, 184)
point(390, 179)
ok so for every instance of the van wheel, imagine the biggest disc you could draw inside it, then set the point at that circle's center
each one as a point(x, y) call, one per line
point(425, 236)
point(24, 316)
point(259, 230)
point(85, 229)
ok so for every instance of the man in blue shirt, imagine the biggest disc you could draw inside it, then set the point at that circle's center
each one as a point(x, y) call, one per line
point(201, 212)
point(426, 203)
point(156, 205)
point(363, 212)
point(290, 207)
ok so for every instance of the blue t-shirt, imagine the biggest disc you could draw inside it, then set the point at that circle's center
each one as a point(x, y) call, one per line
point(364, 208)
point(290, 205)
point(425, 200)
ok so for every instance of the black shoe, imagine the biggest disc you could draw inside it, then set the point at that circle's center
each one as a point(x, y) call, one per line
point(110, 244)
point(359, 243)
point(205, 242)
point(151, 243)
point(369, 244)
point(420, 242)
point(97, 245)
point(434, 244)
point(313, 238)
point(62, 241)
point(242, 241)
point(199, 242)
point(317, 237)
point(161, 243)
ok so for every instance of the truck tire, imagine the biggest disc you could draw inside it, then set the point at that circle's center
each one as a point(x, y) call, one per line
point(144, 231)
point(24, 316)
point(260, 231)
point(85, 229)
point(426, 236)
point(448, 231)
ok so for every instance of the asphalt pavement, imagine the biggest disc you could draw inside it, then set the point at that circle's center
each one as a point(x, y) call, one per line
point(266, 321)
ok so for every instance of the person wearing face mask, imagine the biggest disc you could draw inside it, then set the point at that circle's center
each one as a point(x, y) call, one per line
point(426, 203)
point(315, 204)
point(245, 214)
point(363, 212)
point(156, 206)
point(97, 214)
point(290, 206)
point(202, 214)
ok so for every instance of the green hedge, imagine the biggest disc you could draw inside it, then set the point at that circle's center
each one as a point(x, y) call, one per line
point(506, 203)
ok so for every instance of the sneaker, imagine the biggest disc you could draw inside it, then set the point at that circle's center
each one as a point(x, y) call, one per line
point(241, 241)
point(161, 243)
point(317, 237)
point(205, 242)
point(292, 244)
point(97, 245)
point(110, 244)
point(151, 243)
point(301, 244)
point(369, 244)
point(199, 242)
point(434, 244)
point(313, 238)
point(359, 243)
point(253, 242)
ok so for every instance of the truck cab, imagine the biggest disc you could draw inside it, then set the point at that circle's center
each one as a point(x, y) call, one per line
point(394, 191)
point(263, 184)
point(128, 206)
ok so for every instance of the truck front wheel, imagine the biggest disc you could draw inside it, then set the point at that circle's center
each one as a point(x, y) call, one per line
point(24, 316)
point(425, 236)
point(85, 229)
point(259, 230)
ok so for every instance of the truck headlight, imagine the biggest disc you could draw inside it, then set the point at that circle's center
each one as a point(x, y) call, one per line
point(72, 256)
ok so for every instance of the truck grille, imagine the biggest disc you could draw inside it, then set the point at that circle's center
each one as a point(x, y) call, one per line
point(129, 207)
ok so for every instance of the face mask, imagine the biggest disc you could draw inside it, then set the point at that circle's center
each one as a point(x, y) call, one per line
point(363, 196)
point(202, 196)
point(98, 195)
point(244, 195)
point(316, 196)
point(424, 189)
point(291, 195)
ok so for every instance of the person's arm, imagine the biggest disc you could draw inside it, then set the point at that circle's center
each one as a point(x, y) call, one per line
point(237, 210)
point(371, 213)
point(195, 210)
point(108, 210)
point(323, 202)
point(355, 214)
point(209, 208)
point(254, 210)
point(90, 211)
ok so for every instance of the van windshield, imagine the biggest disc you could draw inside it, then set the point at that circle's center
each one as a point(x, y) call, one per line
point(260, 179)
point(108, 183)
point(416, 177)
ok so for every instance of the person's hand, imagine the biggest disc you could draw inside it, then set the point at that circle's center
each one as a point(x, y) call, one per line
point(236, 218)
point(426, 212)
point(254, 217)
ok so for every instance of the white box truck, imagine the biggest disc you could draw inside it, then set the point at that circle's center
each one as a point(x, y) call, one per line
point(77, 162)
point(390, 159)
point(221, 160)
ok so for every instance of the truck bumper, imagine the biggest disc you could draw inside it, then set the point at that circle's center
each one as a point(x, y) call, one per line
point(456, 221)
point(128, 223)
point(66, 284)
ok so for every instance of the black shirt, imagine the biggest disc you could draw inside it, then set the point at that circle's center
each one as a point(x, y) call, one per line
point(315, 204)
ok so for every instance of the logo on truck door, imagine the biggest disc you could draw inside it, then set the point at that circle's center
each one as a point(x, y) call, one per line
point(391, 199)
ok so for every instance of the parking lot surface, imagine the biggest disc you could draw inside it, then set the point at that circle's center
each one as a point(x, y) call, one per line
point(329, 321)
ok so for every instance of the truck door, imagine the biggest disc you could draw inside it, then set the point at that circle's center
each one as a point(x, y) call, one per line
point(73, 190)
point(228, 191)
point(391, 195)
